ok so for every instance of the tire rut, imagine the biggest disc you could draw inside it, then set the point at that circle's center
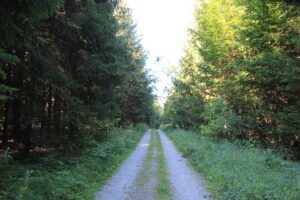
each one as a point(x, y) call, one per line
point(121, 184)
point(185, 183)
point(145, 185)
point(137, 178)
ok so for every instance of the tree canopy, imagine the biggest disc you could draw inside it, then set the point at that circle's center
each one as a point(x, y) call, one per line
point(240, 74)
point(68, 70)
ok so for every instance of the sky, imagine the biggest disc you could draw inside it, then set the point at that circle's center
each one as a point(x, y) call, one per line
point(162, 26)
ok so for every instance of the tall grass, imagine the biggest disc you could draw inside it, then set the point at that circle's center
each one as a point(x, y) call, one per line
point(68, 176)
point(235, 171)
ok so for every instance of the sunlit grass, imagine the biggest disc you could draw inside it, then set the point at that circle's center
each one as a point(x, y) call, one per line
point(234, 171)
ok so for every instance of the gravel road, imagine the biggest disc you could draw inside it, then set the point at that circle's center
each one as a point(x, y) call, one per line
point(136, 178)
point(184, 182)
point(145, 185)
point(122, 183)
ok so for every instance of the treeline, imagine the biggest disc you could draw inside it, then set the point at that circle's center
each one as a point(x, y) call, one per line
point(69, 68)
point(240, 76)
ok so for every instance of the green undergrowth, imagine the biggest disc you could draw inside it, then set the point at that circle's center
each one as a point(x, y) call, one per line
point(68, 177)
point(163, 186)
point(236, 171)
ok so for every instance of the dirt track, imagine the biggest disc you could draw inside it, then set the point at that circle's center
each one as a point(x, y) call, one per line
point(136, 178)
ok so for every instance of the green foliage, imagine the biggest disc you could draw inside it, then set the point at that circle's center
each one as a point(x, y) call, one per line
point(183, 109)
point(155, 119)
point(239, 171)
point(6, 60)
point(69, 69)
point(61, 176)
point(242, 63)
point(20, 20)
point(220, 120)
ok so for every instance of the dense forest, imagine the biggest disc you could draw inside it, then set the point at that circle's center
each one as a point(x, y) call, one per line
point(76, 98)
point(69, 69)
point(240, 76)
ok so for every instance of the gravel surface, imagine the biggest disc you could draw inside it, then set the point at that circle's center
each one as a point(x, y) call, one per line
point(136, 178)
point(185, 183)
point(122, 183)
point(144, 187)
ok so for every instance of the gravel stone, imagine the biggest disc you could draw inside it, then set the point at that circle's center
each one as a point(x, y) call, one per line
point(145, 186)
point(185, 183)
point(122, 183)
point(131, 182)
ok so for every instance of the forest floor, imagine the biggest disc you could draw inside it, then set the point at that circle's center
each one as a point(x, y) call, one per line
point(155, 170)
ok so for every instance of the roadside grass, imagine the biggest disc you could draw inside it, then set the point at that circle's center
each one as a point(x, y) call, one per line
point(163, 186)
point(236, 171)
point(68, 177)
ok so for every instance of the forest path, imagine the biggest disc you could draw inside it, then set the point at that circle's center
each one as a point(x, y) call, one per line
point(185, 183)
point(122, 183)
point(137, 178)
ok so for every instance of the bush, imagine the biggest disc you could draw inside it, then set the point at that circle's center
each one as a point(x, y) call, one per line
point(220, 120)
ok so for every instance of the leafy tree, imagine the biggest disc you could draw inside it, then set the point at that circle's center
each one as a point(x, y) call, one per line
point(243, 61)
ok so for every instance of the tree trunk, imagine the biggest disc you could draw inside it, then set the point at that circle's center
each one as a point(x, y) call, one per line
point(5, 126)
point(44, 115)
point(6, 115)
point(57, 114)
point(49, 112)
point(17, 105)
point(29, 115)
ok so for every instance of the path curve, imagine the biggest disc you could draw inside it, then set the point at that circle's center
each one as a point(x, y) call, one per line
point(185, 183)
point(120, 185)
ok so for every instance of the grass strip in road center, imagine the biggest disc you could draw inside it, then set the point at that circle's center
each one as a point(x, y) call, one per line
point(144, 174)
point(163, 187)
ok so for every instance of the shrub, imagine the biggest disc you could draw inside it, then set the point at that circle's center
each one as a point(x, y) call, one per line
point(220, 120)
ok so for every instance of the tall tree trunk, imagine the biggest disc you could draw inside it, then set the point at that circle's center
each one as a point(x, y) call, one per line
point(57, 114)
point(49, 112)
point(6, 115)
point(17, 105)
point(29, 115)
point(44, 115)
point(5, 125)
